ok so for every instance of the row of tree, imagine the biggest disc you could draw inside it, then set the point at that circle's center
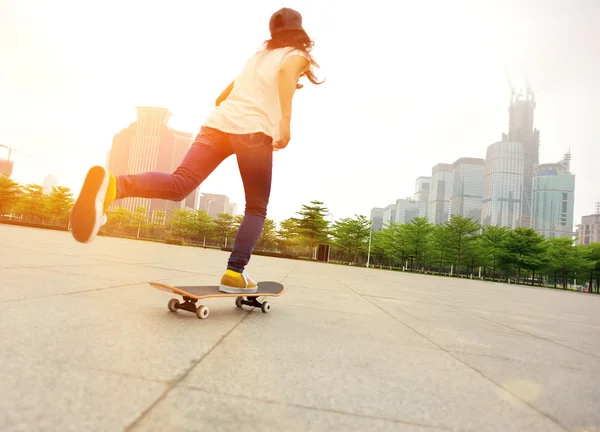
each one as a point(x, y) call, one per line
point(30, 204)
point(459, 247)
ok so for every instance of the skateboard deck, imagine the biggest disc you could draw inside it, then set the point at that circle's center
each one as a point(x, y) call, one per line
point(192, 293)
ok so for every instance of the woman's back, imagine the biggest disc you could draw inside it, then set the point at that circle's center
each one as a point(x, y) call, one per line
point(253, 104)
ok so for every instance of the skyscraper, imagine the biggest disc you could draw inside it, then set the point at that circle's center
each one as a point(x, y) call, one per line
point(520, 129)
point(439, 198)
point(389, 215)
point(422, 194)
point(503, 185)
point(553, 199)
point(597, 207)
point(406, 210)
point(148, 144)
point(49, 182)
point(377, 218)
point(588, 231)
point(6, 167)
point(466, 194)
point(213, 204)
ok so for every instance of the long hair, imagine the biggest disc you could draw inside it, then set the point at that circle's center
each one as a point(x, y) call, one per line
point(299, 40)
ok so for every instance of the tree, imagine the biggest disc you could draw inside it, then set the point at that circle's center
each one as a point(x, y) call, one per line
point(565, 259)
point(594, 266)
point(268, 234)
point(139, 219)
point(352, 235)
point(33, 202)
point(157, 225)
point(387, 245)
point(201, 223)
point(119, 216)
point(473, 254)
point(312, 225)
point(180, 220)
point(523, 249)
point(224, 226)
point(492, 240)
point(288, 233)
point(398, 243)
point(59, 203)
point(418, 239)
point(10, 193)
point(460, 234)
point(440, 245)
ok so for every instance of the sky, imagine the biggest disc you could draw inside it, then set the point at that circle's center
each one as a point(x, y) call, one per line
point(408, 85)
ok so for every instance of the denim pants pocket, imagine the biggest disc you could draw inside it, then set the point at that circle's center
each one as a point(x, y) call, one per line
point(254, 140)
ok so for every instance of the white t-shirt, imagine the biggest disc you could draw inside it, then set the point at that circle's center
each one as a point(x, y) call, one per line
point(253, 104)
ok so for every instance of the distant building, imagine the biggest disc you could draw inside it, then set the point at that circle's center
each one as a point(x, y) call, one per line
point(389, 215)
point(49, 182)
point(521, 130)
point(192, 202)
point(6, 167)
point(597, 207)
point(422, 194)
point(214, 204)
point(439, 198)
point(588, 231)
point(406, 210)
point(553, 199)
point(233, 209)
point(503, 185)
point(377, 218)
point(466, 193)
point(148, 144)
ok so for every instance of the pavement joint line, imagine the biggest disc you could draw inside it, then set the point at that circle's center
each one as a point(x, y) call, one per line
point(533, 335)
point(124, 374)
point(510, 359)
point(71, 292)
point(311, 408)
point(289, 273)
point(183, 376)
point(455, 306)
point(478, 372)
point(540, 337)
point(99, 260)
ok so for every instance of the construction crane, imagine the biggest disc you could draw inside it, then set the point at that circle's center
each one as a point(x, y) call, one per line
point(10, 150)
point(510, 85)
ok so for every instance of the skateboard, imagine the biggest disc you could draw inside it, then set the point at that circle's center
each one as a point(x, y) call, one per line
point(192, 293)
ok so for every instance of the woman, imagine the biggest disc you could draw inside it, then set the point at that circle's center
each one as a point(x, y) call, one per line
point(251, 118)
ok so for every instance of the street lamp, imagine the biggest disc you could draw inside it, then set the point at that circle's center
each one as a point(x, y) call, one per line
point(208, 206)
point(370, 235)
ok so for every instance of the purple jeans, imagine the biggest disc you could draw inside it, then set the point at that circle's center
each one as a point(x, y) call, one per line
point(254, 154)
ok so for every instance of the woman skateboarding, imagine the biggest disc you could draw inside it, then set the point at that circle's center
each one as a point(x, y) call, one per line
point(251, 118)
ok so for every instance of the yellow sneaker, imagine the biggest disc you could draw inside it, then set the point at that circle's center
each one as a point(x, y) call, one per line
point(98, 192)
point(233, 282)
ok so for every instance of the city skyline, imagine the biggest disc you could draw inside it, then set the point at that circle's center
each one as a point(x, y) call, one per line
point(388, 125)
point(509, 188)
point(150, 144)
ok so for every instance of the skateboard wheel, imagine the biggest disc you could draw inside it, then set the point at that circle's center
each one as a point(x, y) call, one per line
point(173, 303)
point(238, 301)
point(265, 307)
point(202, 312)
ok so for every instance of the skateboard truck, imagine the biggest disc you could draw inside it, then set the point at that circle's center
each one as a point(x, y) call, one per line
point(253, 302)
point(189, 304)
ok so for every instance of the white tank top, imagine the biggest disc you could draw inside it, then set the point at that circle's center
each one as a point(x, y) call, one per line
point(253, 104)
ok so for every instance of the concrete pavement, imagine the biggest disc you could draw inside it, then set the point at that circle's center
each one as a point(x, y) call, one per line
point(88, 345)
